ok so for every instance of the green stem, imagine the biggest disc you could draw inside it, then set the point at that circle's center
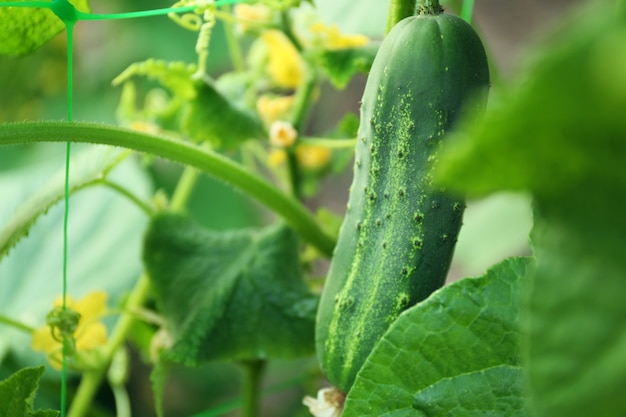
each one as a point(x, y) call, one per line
point(142, 205)
point(16, 324)
point(329, 143)
point(467, 9)
point(303, 98)
point(398, 10)
point(212, 163)
point(301, 106)
point(285, 26)
point(122, 402)
point(253, 374)
point(234, 49)
point(183, 190)
point(429, 7)
point(34, 4)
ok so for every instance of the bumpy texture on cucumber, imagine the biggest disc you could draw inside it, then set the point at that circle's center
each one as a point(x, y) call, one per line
point(398, 236)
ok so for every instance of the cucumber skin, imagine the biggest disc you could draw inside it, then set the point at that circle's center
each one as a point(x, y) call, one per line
point(398, 236)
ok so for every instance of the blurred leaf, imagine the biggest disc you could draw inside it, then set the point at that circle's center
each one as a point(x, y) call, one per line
point(494, 228)
point(229, 295)
point(576, 334)
point(25, 29)
point(492, 392)
point(342, 64)
point(103, 249)
point(17, 394)
point(562, 124)
point(561, 135)
point(211, 117)
point(465, 327)
point(87, 169)
point(369, 18)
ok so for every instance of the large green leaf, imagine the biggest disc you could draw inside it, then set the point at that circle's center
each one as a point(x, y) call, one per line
point(576, 328)
point(562, 123)
point(229, 295)
point(104, 244)
point(492, 392)
point(561, 135)
point(17, 393)
point(467, 327)
point(25, 29)
point(88, 168)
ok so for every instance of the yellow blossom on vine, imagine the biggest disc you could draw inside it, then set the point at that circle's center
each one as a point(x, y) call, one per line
point(272, 108)
point(332, 38)
point(285, 66)
point(249, 15)
point(313, 157)
point(276, 157)
point(78, 324)
point(282, 134)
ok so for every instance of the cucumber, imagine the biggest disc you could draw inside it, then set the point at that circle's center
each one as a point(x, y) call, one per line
point(398, 236)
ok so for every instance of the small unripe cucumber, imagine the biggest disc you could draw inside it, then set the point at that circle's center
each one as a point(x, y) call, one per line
point(398, 236)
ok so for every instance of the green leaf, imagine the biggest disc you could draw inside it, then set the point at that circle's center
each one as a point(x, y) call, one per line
point(87, 168)
point(213, 118)
point(25, 29)
point(229, 295)
point(17, 393)
point(105, 232)
point(562, 123)
point(342, 64)
point(492, 392)
point(576, 336)
point(468, 326)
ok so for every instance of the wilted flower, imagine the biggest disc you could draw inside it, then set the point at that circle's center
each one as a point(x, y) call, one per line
point(329, 403)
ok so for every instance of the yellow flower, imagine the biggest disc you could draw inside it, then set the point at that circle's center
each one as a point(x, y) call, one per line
point(332, 38)
point(276, 158)
point(313, 157)
point(282, 134)
point(285, 65)
point(81, 318)
point(249, 15)
point(272, 108)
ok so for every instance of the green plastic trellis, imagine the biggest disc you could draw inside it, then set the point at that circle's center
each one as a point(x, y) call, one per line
point(66, 11)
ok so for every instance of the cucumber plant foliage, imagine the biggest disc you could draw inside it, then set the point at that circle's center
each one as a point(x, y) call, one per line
point(17, 393)
point(236, 295)
point(465, 334)
point(559, 136)
point(540, 336)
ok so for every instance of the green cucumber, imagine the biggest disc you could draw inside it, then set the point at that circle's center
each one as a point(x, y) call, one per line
point(398, 236)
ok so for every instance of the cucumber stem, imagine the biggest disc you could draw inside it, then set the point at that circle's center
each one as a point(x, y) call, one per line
point(429, 7)
point(253, 374)
point(398, 10)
